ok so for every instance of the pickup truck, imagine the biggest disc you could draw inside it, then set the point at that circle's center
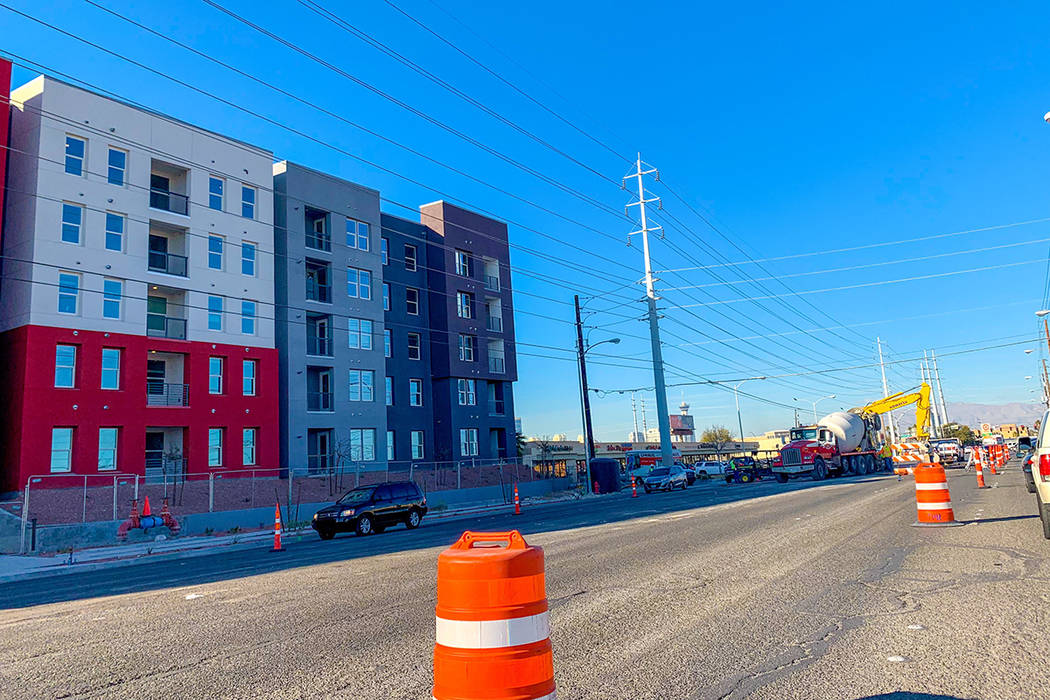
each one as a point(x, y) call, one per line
point(705, 470)
point(950, 450)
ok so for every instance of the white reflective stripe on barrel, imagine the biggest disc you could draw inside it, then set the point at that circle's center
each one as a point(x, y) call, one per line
point(945, 505)
point(493, 634)
point(940, 486)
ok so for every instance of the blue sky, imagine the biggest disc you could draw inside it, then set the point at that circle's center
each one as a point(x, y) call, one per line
point(794, 129)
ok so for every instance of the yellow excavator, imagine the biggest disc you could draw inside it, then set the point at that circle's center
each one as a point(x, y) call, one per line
point(920, 398)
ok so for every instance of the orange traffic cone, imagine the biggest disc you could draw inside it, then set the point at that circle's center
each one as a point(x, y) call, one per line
point(994, 450)
point(979, 468)
point(277, 529)
point(145, 509)
point(517, 503)
point(634, 489)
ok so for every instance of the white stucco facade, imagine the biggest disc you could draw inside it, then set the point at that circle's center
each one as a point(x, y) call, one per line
point(162, 253)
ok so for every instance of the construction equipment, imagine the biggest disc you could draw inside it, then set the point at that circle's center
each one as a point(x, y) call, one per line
point(848, 442)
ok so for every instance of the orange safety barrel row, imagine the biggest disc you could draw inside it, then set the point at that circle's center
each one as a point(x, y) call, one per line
point(492, 625)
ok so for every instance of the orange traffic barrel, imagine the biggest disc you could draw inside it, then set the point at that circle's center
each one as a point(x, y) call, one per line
point(493, 630)
point(932, 500)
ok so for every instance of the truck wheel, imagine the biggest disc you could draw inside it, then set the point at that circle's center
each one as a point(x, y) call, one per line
point(745, 478)
point(820, 470)
point(782, 478)
point(1044, 515)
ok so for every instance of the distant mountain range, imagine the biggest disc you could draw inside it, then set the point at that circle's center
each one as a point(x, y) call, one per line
point(976, 413)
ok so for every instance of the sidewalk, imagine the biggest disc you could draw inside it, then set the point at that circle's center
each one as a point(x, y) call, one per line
point(15, 567)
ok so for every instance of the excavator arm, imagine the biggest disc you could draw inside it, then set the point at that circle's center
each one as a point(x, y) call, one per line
point(920, 398)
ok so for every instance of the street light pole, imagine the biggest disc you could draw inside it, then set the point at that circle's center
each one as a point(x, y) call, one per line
point(736, 395)
point(829, 396)
point(585, 399)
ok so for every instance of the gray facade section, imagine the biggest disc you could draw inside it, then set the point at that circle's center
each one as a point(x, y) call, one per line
point(323, 338)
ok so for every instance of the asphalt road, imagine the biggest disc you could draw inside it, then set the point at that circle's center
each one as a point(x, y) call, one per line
point(768, 591)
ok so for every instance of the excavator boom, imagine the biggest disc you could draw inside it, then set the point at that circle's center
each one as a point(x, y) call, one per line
point(920, 398)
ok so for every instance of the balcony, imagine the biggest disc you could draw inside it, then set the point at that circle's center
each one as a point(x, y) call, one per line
point(168, 263)
point(169, 201)
point(497, 365)
point(318, 237)
point(318, 282)
point(320, 401)
point(496, 407)
point(160, 393)
point(158, 326)
point(169, 187)
point(492, 283)
point(316, 345)
point(494, 324)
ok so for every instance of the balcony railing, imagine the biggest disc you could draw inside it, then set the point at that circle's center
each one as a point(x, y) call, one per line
point(318, 292)
point(319, 401)
point(168, 201)
point(492, 283)
point(158, 326)
point(319, 463)
point(496, 407)
point(316, 345)
point(494, 324)
point(167, 262)
point(318, 241)
point(496, 365)
point(160, 393)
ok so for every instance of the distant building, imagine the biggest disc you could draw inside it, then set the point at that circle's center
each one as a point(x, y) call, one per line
point(637, 436)
point(682, 428)
point(517, 426)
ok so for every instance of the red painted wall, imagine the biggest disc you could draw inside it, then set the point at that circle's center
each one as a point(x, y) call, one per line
point(5, 121)
point(32, 405)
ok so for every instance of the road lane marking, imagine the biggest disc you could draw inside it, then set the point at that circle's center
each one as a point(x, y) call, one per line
point(916, 627)
point(896, 659)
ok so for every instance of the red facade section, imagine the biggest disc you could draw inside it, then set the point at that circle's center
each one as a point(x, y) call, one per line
point(5, 122)
point(32, 404)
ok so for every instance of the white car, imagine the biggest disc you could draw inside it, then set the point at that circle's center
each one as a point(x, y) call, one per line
point(1041, 474)
point(706, 470)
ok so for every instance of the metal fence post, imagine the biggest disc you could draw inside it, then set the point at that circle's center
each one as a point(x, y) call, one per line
point(459, 475)
point(25, 519)
point(411, 468)
point(115, 497)
point(290, 477)
point(211, 492)
point(357, 474)
point(136, 487)
point(83, 515)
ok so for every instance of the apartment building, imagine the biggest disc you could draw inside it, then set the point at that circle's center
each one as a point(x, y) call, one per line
point(5, 117)
point(473, 357)
point(137, 302)
point(330, 333)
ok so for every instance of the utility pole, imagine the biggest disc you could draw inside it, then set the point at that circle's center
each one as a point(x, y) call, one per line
point(940, 389)
point(634, 416)
point(662, 418)
point(645, 422)
point(885, 388)
point(935, 419)
point(585, 400)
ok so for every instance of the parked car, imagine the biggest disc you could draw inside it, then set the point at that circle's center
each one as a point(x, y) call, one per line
point(664, 479)
point(705, 470)
point(1026, 467)
point(371, 509)
point(690, 475)
point(1041, 474)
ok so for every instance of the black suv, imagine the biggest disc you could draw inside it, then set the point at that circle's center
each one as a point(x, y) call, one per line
point(372, 509)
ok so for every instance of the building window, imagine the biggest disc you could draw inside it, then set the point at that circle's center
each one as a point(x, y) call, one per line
point(358, 283)
point(72, 222)
point(214, 313)
point(118, 166)
point(216, 192)
point(215, 447)
point(362, 385)
point(467, 392)
point(248, 317)
point(384, 250)
point(410, 257)
point(467, 345)
point(360, 333)
point(215, 368)
point(110, 368)
point(462, 263)
point(357, 234)
point(65, 366)
point(248, 259)
point(386, 296)
point(387, 343)
point(112, 292)
point(414, 346)
point(317, 234)
point(415, 392)
point(464, 304)
point(250, 437)
point(249, 372)
point(61, 450)
point(362, 444)
point(468, 442)
point(412, 301)
point(76, 151)
point(248, 202)
point(417, 444)
point(115, 224)
point(107, 449)
point(68, 292)
point(215, 252)
point(389, 391)
point(390, 445)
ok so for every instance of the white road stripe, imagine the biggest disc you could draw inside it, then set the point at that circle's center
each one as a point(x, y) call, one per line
point(493, 634)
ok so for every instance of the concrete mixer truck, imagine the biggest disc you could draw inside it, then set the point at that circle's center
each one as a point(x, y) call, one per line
point(847, 442)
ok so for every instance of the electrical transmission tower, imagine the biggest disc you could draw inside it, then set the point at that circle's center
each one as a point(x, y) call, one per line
point(642, 169)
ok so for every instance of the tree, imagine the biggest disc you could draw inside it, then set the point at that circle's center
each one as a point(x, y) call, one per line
point(962, 432)
point(519, 439)
point(719, 435)
point(544, 443)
